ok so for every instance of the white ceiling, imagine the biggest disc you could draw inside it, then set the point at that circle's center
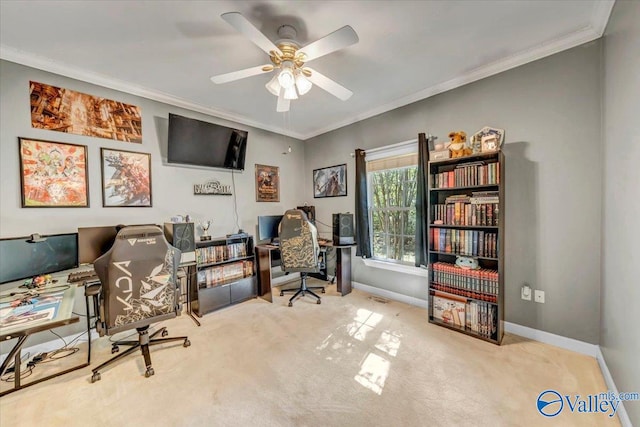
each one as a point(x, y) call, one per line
point(408, 50)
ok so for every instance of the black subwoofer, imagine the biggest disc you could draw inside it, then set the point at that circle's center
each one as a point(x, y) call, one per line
point(343, 233)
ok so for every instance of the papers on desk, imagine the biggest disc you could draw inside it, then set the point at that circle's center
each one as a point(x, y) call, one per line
point(30, 311)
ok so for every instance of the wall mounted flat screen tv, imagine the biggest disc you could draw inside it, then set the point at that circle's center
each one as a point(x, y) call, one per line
point(194, 142)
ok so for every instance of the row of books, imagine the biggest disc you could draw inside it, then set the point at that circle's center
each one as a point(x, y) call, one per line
point(475, 316)
point(467, 175)
point(480, 284)
point(465, 242)
point(220, 253)
point(461, 213)
point(214, 276)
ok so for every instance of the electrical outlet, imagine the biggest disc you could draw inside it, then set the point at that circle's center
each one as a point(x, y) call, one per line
point(539, 296)
point(525, 292)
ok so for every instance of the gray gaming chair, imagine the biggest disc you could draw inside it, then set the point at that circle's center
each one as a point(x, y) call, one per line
point(299, 250)
point(138, 287)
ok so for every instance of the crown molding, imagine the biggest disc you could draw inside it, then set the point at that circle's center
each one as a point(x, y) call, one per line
point(46, 64)
point(600, 15)
point(567, 41)
point(599, 18)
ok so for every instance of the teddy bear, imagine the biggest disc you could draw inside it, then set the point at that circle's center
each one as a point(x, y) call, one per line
point(457, 145)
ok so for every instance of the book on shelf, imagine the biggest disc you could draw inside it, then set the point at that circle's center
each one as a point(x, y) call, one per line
point(467, 175)
point(449, 310)
point(477, 243)
point(216, 275)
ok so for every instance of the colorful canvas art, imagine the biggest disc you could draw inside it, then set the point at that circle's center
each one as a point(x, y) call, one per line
point(65, 110)
point(53, 174)
point(126, 178)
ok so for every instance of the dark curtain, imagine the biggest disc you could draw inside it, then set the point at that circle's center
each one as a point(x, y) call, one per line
point(422, 202)
point(363, 240)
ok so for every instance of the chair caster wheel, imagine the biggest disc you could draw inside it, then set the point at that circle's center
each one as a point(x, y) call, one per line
point(164, 333)
point(115, 349)
point(290, 304)
point(323, 291)
point(281, 293)
point(318, 302)
point(187, 343)
point(95, 377)
point(149, 372)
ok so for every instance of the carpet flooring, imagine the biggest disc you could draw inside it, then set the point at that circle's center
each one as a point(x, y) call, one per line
point(357, 360)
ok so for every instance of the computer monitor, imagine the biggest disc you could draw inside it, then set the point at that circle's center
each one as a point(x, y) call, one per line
point(268, 227)
point(25, 257)
point(94, 241)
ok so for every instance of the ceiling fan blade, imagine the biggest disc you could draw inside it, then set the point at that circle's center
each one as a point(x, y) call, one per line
point(240, 23)
point(329, 85)
point(241, 74)
point(339, 39)
point(283, 104)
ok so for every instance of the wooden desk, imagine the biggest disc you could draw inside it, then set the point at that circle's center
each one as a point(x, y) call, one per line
point(343, 268)
point(22, 331)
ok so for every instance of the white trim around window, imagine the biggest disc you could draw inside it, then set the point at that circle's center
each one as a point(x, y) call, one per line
point(400, 268)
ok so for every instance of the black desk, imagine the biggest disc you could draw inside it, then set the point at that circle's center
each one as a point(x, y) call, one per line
point(21, 332)
point(343, 268)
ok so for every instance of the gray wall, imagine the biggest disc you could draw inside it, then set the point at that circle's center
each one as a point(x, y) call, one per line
point(172, 187)
point(619, 336)
point(551, 112)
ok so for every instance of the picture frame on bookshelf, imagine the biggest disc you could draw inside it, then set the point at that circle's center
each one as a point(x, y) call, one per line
point(126, 178)
point(487, 140)
point(53, 174)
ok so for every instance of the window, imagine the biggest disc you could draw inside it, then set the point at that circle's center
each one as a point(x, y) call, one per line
point(392, 186)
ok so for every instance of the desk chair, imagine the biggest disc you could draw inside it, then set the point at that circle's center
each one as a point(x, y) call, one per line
point(138, 287)
point(299, 250)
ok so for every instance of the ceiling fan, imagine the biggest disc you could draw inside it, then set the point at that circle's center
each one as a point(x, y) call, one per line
point(288, 58)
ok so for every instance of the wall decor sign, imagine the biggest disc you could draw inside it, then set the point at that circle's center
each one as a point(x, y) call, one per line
point(212, 187)
point(267, 183)
point(65, 110)
point(330, 182)
point(53, 174)
point(126, 178)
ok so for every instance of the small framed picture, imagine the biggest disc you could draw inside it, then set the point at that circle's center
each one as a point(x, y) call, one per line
point(53, 174)
point(267, 183)
point(330, 182)
point(126, 178)
point(487, 140)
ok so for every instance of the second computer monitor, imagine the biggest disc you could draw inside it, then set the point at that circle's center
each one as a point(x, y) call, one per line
point(268, 227)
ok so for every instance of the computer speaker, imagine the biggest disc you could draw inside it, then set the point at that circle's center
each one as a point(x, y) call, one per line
point(182, 236)
point(343, 233)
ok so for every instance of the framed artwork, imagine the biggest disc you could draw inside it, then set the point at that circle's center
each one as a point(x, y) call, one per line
point(64, 110)
point(330, 182)
point(267, 183)
point(126, 178)
point(53, 174)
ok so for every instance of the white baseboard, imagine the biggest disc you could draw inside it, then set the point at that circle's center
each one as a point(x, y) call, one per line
point(52, 345)
point(553, 339)
point(608, 379)
point(390, 294)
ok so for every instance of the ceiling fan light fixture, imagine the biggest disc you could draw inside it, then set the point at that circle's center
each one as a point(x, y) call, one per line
point(290, 93)
point(273, 85)
point(286, 77)
point(302, 83)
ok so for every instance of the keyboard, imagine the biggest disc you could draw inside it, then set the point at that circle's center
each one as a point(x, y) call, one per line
point(81, 276)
